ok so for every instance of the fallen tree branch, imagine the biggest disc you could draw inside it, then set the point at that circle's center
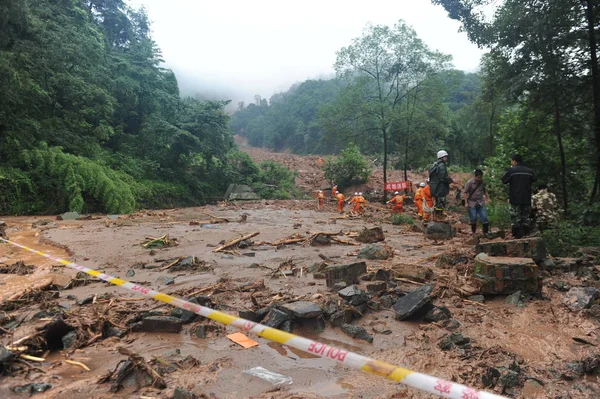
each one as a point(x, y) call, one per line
point(236, 241)
point(78, 364)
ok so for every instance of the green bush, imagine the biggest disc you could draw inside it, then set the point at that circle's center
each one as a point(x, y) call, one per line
point(499, 214)
point(401, 218)
point(275, 181)
point(349, 168)
point(568, 236)
point(17, 193)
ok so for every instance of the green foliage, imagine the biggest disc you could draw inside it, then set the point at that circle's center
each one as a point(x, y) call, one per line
point(401, 218)
point(275, 181)
point(73, 178)
point(498, 214)
point(567, 237)
point(349, 168)
point(90, 121)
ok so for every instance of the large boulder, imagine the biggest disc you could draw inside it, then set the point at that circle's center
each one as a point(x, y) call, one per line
point(412, 302)
point(347, 273)
point(581, 297)
point(439, 231)
point(533, 248)
point(369, 236)
point(302, 309)
point(505, 275)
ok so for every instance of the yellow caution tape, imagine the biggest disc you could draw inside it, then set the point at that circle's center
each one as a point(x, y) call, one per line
point(408, 377)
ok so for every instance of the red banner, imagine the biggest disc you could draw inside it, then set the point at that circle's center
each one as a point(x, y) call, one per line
point(398, 185)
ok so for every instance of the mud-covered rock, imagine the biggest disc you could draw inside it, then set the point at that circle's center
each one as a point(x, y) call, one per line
point(302, 309)
point(32, 389)
point(477, 298)
point(68, 216)
point(413, 302)
point(369, 236)
point(439, 314)
point(184, 315)
point(382, 275)
point(275, 318)
point(348, 273)
point(453, 340)
point(168, 324)
point(181, 393)
point(413, 272)
point(375, 251)
point(514, 299)
point(579, 298)
point(354, 295)
point(376, 286)
point(439, 231)
point(69, 340)
point(340, 318)
point(357, 332)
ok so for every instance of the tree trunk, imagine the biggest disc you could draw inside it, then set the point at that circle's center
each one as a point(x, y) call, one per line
point(491, 134)
point(596, 92)
point(563, 161)
point(385, 157)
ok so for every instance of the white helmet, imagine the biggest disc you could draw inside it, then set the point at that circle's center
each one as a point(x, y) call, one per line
point(337, 192)
point(356, 193)
point(422, 185)
point(442, 154)
point(359, 193)
point(320, 191)
point(396, 192)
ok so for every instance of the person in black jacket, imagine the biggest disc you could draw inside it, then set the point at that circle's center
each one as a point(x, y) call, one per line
point(519, 178)
point(439, 182)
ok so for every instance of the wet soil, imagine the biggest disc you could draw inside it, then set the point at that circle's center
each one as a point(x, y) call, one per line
point(538, 336)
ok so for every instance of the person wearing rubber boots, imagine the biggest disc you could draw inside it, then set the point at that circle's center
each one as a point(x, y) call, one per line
point(519, 179)
point(440, 181)
point(476, 196)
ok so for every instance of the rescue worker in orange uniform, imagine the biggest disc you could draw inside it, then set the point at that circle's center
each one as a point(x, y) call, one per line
point(321, 199)
point(319, 162)
point(334, 190)
point(427, 202)
point(398, 201)
point(419, 198)
point(340, 200)
point(362, 203)
point(354, 201)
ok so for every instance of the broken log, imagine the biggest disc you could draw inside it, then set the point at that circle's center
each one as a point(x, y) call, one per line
point(236, 241)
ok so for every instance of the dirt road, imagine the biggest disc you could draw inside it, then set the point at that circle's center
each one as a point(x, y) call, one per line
point(535, 341)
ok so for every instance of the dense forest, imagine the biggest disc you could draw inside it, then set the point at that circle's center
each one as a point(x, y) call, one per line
point(90, 121)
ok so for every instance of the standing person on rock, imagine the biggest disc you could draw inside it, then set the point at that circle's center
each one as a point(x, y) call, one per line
point(340, 201)
point(440, 181)
point(321, 199)
point(519, 178)
point(476, 196)
point(544, 206)
point(354, 201)
point(418, 200)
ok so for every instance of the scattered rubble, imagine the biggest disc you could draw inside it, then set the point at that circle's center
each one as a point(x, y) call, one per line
point(439, 231)
point(357, 332)
point(347, 273)
point(579, 298)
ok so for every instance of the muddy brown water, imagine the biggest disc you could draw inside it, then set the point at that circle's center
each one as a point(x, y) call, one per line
point(539, 335)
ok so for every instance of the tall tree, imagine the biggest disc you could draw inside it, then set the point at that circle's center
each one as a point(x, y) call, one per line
point(386, 64)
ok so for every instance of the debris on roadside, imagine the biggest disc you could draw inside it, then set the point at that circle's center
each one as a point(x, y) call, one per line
point(160, 242)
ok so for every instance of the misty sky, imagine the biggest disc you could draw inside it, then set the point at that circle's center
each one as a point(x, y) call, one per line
point(236, 49)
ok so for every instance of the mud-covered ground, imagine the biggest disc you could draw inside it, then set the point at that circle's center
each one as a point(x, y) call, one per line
point(535, 342)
